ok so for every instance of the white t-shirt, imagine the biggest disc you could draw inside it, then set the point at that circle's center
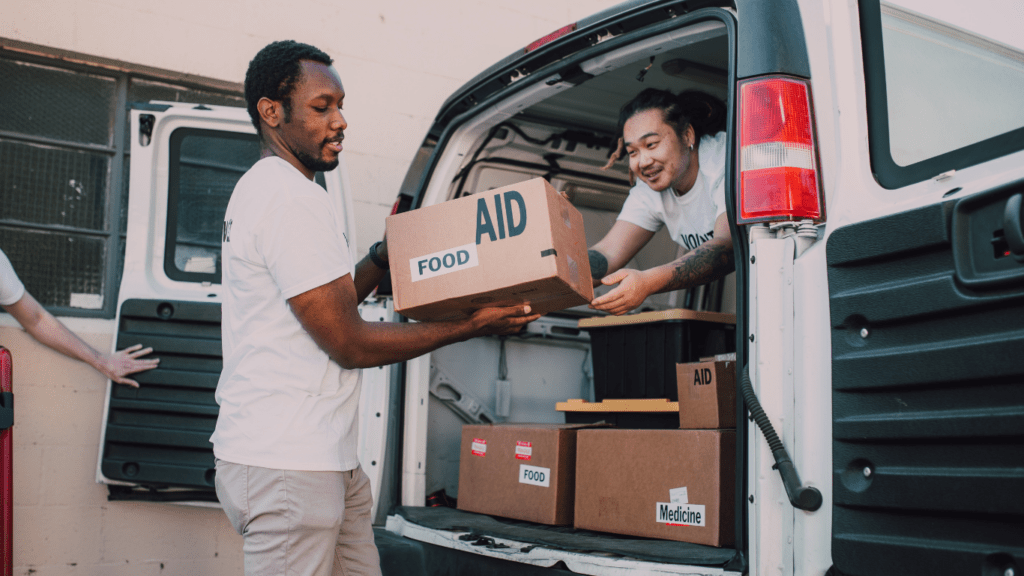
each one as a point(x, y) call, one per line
point(691, 217)
point(284, 403)
point(11, 288)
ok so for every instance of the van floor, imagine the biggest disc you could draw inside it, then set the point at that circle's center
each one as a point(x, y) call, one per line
point(480, 527)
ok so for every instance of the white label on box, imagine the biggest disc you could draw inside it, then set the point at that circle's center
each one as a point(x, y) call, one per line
point(479, 447)
point(524, 450)
point(678, 496)
point(679, 514)
point(443, 262)
point(534, 475)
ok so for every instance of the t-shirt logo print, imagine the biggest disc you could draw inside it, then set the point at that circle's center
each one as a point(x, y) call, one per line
point(691, 241)
point(226, 233)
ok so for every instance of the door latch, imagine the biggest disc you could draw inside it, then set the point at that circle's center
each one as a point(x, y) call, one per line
point(1013, 227)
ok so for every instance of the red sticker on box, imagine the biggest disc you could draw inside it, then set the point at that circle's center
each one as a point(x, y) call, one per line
point(523, 450)
point(479, 447)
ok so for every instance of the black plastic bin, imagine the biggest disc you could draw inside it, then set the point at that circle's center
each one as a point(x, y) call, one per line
point(635, 356)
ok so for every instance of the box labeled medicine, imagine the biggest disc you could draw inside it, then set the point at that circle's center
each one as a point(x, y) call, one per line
point(667, 484)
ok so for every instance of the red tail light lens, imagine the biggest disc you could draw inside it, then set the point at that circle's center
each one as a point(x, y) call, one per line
point(550, 37)
point(778, 159)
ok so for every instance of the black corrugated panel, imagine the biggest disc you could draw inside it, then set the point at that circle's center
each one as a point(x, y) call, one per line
point(158, 434)
point(928, 404)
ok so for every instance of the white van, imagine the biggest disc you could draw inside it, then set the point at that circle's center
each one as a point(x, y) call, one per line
point(878, 292)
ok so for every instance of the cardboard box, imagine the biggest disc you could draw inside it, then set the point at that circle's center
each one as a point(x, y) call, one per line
point(707, 394)
point(667, 484)
point(522, 471)
point(518, 244)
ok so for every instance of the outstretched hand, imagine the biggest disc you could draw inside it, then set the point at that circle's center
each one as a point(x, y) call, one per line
point(499, 321)
point(631, 292)
point(118, 365)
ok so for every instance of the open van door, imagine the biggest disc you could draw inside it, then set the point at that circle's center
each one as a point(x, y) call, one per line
point(185, 162)
point(926, 292)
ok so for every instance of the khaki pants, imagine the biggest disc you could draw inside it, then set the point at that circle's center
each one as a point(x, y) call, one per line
point(300, 523)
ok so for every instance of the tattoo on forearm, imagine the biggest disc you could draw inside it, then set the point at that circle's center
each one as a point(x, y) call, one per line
point(598, 264)
point(707, 263)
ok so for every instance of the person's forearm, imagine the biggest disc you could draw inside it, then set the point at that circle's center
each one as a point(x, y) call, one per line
point(367, 276)
point(383, 343)
point(617, 248)
point(50, 332)
point(706, 263)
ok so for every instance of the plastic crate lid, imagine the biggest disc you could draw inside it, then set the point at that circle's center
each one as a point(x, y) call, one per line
point(676, 314)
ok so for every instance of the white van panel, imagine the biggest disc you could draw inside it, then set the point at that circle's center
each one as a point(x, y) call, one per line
point(374, 399)
point(771, 362)
point(652, 46)
point(414, 445)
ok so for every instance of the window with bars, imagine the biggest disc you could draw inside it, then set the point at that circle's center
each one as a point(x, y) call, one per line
point(64, 175)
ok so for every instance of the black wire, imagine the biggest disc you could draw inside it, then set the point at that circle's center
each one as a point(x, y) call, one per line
point(464, 173)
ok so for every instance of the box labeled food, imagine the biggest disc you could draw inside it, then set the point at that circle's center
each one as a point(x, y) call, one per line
point(707, 394)
point(667, 484)
point(521, 244)
point(521, 471)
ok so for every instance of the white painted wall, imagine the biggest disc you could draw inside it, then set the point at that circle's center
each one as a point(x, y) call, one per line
point(399, 60)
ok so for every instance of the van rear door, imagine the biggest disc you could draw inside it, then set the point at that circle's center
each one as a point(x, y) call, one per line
point(185, 161)
point(926, 292)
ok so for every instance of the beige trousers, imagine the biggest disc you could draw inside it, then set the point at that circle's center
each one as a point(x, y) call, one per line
point(299, 523)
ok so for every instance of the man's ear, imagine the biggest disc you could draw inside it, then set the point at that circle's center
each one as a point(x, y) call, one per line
point(271, 111)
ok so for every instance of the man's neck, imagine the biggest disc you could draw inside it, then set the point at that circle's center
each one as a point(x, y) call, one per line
point(270, 148)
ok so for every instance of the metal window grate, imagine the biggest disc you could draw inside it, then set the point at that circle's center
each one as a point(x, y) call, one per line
point(58, 269)
point(54, 103)
point(48, 185)
point(63, 208)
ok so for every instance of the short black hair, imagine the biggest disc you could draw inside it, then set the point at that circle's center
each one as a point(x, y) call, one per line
point(273, 72)
point(689, 108)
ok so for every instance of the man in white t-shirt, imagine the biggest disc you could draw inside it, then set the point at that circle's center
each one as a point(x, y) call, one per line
point(288, 475)
point(47, 330)
point(677, 153)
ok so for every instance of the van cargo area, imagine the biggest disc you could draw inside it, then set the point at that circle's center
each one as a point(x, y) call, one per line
point(563, 129)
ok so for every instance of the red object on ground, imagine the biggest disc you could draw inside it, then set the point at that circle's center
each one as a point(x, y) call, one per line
point(6, 477)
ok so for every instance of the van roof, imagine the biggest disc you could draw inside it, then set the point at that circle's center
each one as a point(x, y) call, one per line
point(614, 21)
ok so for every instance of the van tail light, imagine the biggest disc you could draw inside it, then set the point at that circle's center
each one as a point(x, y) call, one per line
point(550, 37)
point(779, 178)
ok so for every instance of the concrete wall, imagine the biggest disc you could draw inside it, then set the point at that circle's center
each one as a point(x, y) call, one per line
point(399, 60)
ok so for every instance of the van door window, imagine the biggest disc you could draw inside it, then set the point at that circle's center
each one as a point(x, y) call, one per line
point(940, 97)
point(205, 166)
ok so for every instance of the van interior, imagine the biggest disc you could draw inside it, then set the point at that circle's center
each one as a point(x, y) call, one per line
point(565, 133)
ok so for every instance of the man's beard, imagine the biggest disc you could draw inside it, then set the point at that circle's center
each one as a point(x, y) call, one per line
point(315, 164)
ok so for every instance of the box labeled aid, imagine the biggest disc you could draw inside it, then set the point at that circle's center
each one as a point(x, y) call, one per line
point(707, 394)
point(521, 244)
